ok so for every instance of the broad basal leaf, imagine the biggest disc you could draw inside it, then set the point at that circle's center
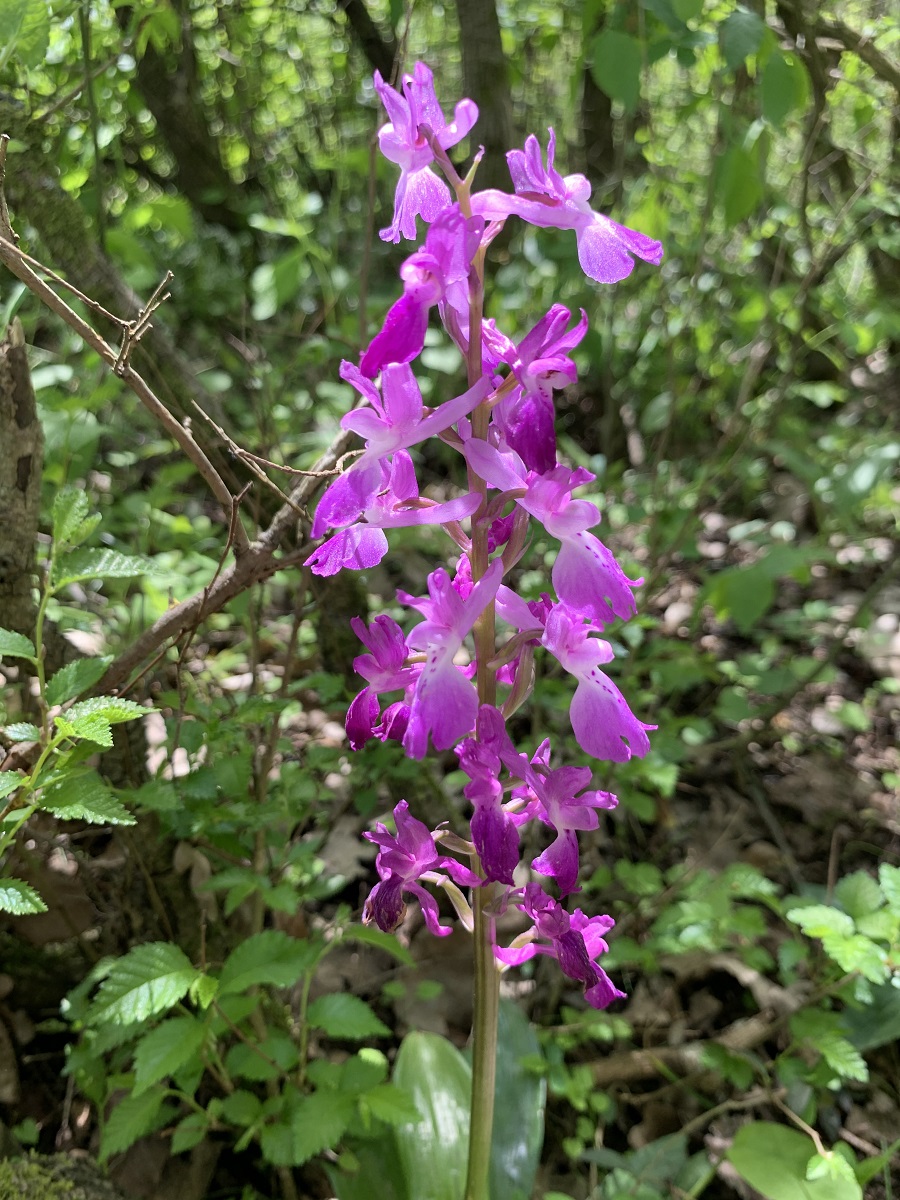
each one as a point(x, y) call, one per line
point(149, 980)
point(773, 1159)
point(19, 898)
point(434, 1149)
point(165, 1050)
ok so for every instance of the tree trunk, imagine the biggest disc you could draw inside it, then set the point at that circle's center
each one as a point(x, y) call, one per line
point(486, 81)
point(21, 460)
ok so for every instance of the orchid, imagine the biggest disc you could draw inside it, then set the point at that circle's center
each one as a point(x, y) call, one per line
point(543, 197)
point(404, 140)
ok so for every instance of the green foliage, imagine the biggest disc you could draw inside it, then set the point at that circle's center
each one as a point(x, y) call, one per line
point(782, 1164)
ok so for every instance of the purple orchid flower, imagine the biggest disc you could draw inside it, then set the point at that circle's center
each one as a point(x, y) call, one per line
point(540, 364)
point(585, 574)
point(393, 421)
point(385, 669)
point(603, 724)
point(575, 941)
point(420, 193)
point(444, 703)
point(402, 862)
point(436, 274)
point(361, 546)
point(545, 198)
point(562, 807)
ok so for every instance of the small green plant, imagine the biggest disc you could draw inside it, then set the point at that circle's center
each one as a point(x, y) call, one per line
point(67, 732)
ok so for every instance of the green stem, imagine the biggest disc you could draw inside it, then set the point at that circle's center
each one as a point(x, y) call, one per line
point(484, 1050)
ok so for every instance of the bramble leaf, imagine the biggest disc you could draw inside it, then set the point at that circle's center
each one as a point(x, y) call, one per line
point(19, 898)
point(110, 708)
point(15, 645)
point(270, 957)
point(316, 1123)
point(345, 1016)
point(76, 677)
point(858, 894)
point(84, 797)
point(165, 1050)
point(131, 1119)
point(149, 980)
point(81, 565)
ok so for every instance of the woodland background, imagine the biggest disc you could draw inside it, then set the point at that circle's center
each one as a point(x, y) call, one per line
point(739, 406)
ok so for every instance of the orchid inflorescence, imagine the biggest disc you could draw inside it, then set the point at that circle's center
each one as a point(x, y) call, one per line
point(503, 426)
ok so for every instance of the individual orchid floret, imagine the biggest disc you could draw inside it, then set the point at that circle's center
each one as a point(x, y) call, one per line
point(543, 197)
point(436, 274)
point(364, 545)
point(403, 860)
point(393, 420)
point(575, 941)
point(494, 833)
point(585, 574)
point(603, 724)
point(444, 704)
point(420, 192)
point(385, 669)
point(566, 811)
point(540, 364)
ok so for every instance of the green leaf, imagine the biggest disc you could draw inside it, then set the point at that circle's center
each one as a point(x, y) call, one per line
point(110, 708)
point(9, 781)
point(773, 1159)
point(858, 894)
point(371, 1160)
point(149, 980)
point(165, 1050)
point(70, 507)
point(261, 1061)
point(270, 957)
point(686, 10)
point(817, 920)
point(19, 898)
point(93, 728)
point(434, 1149)
point(24, 31)
point(784, 87)
point(857, 953)
point(97, 564)
point(190, 1132)
point(76, 677)
point(344, 1016)
point(519, 1114)
point(241, 1107)
point(390, 1104)
point(371, 935)
point(315, 1123)
point(740, 35)
point(131, 1119)
point(842, 1056)
point(616, 67)
point(84, 797)
point(22, 731)
point(889, 878)
point(15, 645)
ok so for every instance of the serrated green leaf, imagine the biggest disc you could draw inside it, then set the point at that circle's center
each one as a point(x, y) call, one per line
point(270, 957)
point(817, 920)
point(316, 1123)
point(70, 507)
point(857, 953)
point(190, 1132)
point(740, 35)
point(149, 980)
point(24, 31)
point(9, 781)
point(94, 728)
point(110, 708)
point(76, 677)
point(22, 731)
point(84, 797)
point(858, 894)
point(262, 1061)
point(81, 565)
point(616, 61)
point(131, 1119)
point(241, 1107)
point(342, 1015)
point(843, 1057)
point(889, 878)
point(165, 1050)
point(15, 645)
point(19, 898)
point(391, 1104)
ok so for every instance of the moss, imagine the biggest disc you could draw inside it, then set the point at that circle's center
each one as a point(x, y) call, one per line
point(54, 1177)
